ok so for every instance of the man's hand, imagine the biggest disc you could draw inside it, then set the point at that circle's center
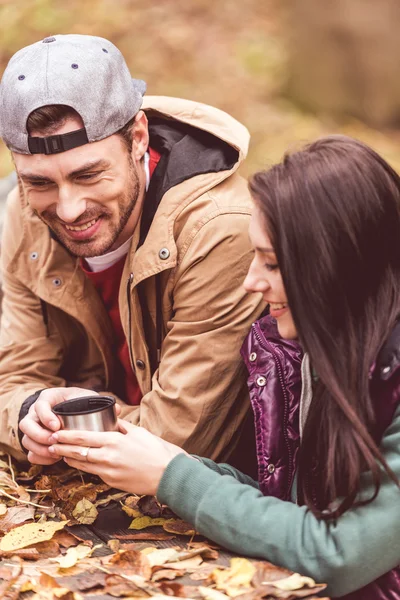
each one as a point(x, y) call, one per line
point(41, 422)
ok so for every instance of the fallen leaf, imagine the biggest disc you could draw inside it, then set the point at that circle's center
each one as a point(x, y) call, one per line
point(110, 498)
point(117, 585)
point(203, 573)
point(75, 554)
point(236, 578)
point(47, 549)
point(146, 535)
point(3, 509)
point(132, 511)
point(160, 557)
point(266, 571)
point(176, 590)
point(143, 522)
point(179, 527)
point(85, 512)
point(16, 515)
point(211, 594)
point(131, 562)
point(187, 565)
point(26, 535)
point(293, 582)
point(66, 539)
point(48, 582)
point(149, 506)
point(167, 574)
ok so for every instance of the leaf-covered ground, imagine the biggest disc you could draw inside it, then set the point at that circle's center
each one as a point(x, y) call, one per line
point(229, 53)
point(42, 555)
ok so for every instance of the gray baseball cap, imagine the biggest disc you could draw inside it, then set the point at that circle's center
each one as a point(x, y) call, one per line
point(85, 72)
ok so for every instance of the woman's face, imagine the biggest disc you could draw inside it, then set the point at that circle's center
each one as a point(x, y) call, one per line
point(264, 276)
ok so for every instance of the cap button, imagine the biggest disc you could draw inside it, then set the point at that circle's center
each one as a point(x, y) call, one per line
point(48, 40)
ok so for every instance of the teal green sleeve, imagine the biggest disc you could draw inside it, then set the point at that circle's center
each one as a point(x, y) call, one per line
point(223, 469)
point(360, 546)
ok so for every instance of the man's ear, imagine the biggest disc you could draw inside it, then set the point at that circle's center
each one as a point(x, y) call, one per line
point(140, 136)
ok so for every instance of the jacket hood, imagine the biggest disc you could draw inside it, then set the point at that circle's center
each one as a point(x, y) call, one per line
point(201, 116)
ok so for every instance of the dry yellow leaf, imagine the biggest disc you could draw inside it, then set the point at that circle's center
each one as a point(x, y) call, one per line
point(74, 555)
point(211, 594)
point(162, 556)
point(294, 582)
point(143, 522)
point(25, 535)
point(3, 509)
point(234, 579)
point(188, 564)
point(132, 512)
point(85, 512)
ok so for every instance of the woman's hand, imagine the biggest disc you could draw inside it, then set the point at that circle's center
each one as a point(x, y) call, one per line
point(133, 460)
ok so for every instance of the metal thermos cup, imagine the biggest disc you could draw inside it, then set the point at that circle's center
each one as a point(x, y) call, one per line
point(89, 413)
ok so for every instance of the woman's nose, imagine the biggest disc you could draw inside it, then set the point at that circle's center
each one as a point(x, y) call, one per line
point(255, 280)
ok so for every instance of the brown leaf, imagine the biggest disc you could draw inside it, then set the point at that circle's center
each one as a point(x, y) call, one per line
point(25, 553)
point(89, 580)
point(149, 506)
point(85, 512)
point(46, 549)
point(16, 515)
point(66, 539)
point(116, 585)
point(131, 562)
point(179, 527)
point(266, 571)
point(173, 589)
point(48, 582)
point(145, 535)
point(204, 572)
point(189, 564)
point(159, 573)
point(202, 550)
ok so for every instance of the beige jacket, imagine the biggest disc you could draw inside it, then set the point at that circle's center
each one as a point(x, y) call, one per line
point(55, 330)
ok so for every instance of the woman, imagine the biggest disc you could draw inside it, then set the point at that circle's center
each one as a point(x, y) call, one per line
point(326, 235)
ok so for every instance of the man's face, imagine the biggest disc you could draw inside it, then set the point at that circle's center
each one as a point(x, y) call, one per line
point(87, 195)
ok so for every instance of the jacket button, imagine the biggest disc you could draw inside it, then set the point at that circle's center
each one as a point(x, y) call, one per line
point(271, 468)
point(57, 282)
point(252, 357)
point(261, 381)
point(34, 256)
point(164, 253)
point(140, 364)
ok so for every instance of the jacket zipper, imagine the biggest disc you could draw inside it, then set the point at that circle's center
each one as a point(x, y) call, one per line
point(128, 296)
point(267, 346)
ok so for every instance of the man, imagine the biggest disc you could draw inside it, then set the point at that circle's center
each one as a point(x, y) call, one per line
point(123, 252)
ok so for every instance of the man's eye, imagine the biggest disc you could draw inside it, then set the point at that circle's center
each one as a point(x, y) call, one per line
point(40, 184)
point(87, 176)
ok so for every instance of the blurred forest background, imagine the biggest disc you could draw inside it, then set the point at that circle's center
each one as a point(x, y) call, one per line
point(290, 70)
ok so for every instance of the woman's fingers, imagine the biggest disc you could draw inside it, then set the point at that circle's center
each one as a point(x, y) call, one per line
point(93, 439)
point(85, 454)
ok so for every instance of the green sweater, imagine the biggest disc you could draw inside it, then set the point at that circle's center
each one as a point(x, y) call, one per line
point(347, 554)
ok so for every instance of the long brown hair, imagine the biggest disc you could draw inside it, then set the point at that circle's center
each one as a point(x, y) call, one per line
point(332, 211)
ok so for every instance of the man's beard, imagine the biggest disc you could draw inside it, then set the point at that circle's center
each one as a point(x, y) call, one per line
point(89, 248)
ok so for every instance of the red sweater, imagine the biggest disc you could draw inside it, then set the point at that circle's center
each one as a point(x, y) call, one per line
point(107, 283)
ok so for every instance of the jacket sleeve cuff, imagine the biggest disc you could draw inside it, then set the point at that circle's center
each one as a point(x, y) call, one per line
point(24, 411)
point(184, 484)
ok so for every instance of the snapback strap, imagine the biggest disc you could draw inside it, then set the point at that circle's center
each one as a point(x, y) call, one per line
point(54, 144)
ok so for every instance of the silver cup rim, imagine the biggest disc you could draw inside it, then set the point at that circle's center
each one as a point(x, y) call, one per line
point(65, 409)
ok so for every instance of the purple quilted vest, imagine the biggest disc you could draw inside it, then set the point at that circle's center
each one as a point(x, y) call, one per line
point(274, 382)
